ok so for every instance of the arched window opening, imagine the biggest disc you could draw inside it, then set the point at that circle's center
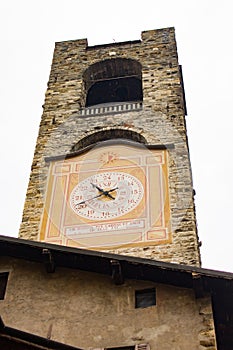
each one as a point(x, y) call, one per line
point(110, 134)
point(113, 80)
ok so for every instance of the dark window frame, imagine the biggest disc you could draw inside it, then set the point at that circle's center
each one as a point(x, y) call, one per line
point(145, 298)
point(3, 284)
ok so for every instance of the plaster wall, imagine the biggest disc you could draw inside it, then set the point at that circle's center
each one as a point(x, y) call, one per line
point(87, 310)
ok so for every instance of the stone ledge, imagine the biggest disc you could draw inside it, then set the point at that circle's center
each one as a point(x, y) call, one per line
point(111, 108)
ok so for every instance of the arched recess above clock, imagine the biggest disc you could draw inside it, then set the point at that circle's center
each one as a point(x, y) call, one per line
point(113, 80)
point(109, 134)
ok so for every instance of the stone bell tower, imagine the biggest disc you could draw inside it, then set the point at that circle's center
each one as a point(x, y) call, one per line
point(111, 168)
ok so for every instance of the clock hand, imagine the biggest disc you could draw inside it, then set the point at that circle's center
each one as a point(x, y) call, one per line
point(89, 199)
point(98, 188)
point(102, 191)
point(109, 195)
point(113, 189)
point(105, 193)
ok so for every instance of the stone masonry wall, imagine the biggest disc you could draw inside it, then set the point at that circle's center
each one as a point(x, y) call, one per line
point(161, 121)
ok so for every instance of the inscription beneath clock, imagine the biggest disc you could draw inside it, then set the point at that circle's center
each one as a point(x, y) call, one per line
point(76, 231)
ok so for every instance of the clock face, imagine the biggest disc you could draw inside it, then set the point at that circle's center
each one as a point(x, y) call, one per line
point(110, 196)
point(106, 195)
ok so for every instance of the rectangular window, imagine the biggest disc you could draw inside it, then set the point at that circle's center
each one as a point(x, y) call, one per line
point(3, 283)
point(145, 298)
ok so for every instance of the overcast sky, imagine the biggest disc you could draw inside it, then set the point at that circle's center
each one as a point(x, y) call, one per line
point(204, 31)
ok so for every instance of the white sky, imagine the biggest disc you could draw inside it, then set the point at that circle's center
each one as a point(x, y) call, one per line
point(204, 29)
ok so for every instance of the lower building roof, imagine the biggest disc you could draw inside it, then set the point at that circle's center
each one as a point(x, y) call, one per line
point(12, 338)
point(218, 284)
